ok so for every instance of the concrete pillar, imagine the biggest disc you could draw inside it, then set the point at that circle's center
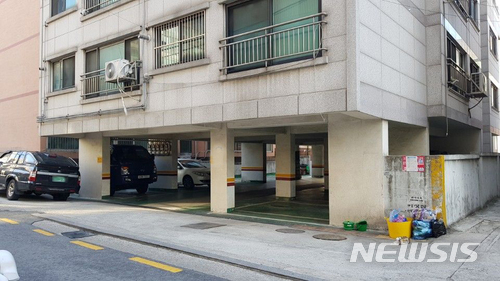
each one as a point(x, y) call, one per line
point(167, 169)
point(325, 164)
point(253, 162)
point(285, 165)
point(94, 160)
point(408, 140)
point(222, 170)
point(356, 150)
point(317, 161)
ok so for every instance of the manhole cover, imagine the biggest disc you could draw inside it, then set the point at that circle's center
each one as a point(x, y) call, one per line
point(77, 234)
point(203, 225)
point(329, 237)
point(289, 230)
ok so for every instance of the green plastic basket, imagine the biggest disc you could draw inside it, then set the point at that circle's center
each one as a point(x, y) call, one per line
point(349, 225)
point(361, 226)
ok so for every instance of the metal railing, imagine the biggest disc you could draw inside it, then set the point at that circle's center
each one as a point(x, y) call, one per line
point(94, 84)
point(457, 78)
point(95, 5)
point(180, 41)
point(263, 46)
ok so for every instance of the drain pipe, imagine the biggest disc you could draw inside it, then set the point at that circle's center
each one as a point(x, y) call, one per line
point(445, 67)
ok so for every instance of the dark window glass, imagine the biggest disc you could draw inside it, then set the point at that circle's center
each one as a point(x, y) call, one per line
point(192, 164)
point(29, 159)
point(132, 153)
point(21, 158)
point(69, 73)
point(56, 160)
point(186, 146)
point(59, 6)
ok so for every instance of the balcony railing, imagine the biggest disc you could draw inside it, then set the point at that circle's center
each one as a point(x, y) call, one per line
point(94, 84)
point(95, 5)
point(457, 78)
point(262, 47)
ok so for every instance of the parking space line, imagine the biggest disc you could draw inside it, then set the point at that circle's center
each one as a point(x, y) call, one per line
point(43, 232)
point(9, 221)
point(87, 245)
point(156, 265)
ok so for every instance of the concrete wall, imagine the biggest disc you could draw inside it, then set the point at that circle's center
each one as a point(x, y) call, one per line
point(457, 185)
point(471, 181)
point(19, 53)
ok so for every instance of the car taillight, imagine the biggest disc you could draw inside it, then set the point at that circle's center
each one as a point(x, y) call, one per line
point(125, 170)
point(32, 176)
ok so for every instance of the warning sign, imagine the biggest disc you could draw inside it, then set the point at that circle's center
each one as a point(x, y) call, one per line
point(413, 163)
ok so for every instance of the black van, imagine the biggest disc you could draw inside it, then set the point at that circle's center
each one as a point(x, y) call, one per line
point(26, 172)
point(132, 167)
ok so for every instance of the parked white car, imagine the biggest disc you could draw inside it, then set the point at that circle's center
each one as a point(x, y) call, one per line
point(192, 172)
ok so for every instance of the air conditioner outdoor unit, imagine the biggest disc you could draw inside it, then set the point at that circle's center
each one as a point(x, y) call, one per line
point(116, 70)
point(479, 86)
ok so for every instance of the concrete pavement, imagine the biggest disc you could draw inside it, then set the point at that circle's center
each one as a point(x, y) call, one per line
point(260, 246)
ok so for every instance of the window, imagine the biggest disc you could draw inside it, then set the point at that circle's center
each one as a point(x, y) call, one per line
point(29, 159)
point(494, 97)
point(59, 6)
point(59, 143)
point(180, 41)
point(94, 82)
point(473, 11)
point(21, 158)
point(496, 143)
point(95, 5)
point(186, 146)
point(5, 157)
point(493, 43)
point(63, 74)
point(267, 32)
point(457, 77)
point(13, 157)
point(237, 146)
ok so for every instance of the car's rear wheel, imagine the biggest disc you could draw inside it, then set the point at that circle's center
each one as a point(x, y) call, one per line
point(60, 196)
point(142, 189)
point(188, 182)
point(11, 190)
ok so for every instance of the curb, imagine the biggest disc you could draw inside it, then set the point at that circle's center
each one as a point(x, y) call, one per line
point(192, 252)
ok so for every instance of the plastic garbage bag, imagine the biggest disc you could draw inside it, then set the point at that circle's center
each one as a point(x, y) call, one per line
point(421, 229)
point(397, 216)
point(438, 228)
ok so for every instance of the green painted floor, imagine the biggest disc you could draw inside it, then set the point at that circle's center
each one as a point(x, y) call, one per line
point(253, 200)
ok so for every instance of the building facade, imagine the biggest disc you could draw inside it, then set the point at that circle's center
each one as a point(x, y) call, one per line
point(19, 55)
point(363, 79)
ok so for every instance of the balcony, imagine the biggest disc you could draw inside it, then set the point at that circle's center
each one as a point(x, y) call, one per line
point(94, 84)
point(458, 79)
point(91, 6)
point(293, 40)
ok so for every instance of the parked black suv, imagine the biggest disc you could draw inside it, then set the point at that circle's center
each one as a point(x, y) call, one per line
point(132, 167)
point(25, 172)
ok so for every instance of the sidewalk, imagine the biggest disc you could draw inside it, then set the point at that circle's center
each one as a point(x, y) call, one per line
point(296, 255)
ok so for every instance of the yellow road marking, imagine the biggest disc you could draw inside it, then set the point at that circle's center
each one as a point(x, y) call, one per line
point(9, 221)
point(43, 232)
point(87, 245)
point(156, 264)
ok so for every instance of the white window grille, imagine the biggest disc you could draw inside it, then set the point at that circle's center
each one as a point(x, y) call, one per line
point(180, 41)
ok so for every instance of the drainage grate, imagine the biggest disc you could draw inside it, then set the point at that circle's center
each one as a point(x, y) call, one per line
point(203, 225)
point(77, 234)
point(289, 230)
point(329, 237)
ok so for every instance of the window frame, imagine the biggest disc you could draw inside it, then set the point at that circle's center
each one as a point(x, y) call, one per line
point(493, 42)
point(52, 12)
point(494, 97)
point(182, 40)
point(272, 62)
point(61, 62)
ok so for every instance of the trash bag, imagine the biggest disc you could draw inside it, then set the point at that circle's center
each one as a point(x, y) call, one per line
point(397, 216)
point(438, 228)
point(421, 229)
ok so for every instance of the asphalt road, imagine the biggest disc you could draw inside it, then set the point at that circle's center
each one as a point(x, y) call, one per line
point(48, 255)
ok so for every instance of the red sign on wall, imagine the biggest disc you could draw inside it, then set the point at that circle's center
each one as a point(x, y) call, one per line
point(413, 163)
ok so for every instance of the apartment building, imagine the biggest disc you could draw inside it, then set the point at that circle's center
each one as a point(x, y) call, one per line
point(362, 79)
